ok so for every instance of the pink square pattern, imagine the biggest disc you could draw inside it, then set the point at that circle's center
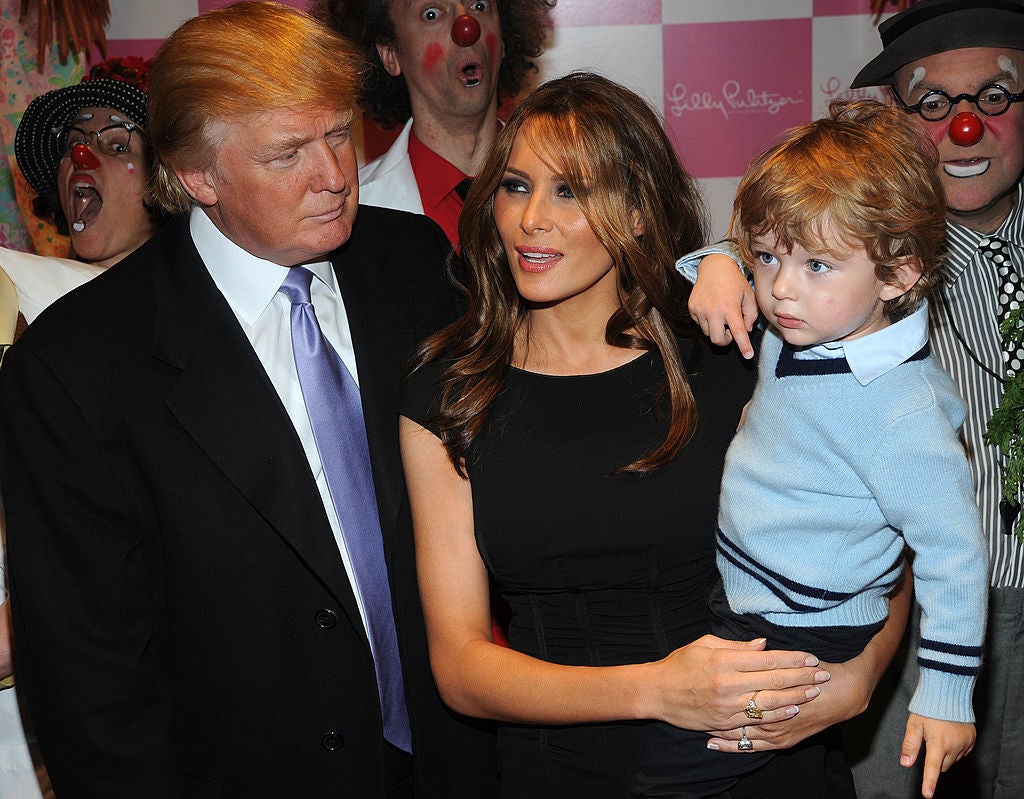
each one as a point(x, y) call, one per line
point(837, 8)
point(727, 87)
point(730, 88)
point(579, 13)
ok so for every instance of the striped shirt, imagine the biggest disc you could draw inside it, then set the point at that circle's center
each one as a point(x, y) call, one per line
point(965, 341)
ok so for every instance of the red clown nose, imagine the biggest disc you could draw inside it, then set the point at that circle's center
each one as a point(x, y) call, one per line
point(465, 30)
point(966, 129)
point(82, 157)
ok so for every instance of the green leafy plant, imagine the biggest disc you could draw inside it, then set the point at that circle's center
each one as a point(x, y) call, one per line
point(1006, 427)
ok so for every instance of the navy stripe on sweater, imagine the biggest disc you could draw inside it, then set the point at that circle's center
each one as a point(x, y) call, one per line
point(744, 562)
point(951, 649)
point(791, 366)
point(949, 668)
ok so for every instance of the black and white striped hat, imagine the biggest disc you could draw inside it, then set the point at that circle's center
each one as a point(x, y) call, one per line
point(35, 141)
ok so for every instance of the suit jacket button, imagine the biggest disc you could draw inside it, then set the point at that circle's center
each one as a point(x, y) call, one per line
point(332, 741)
point(325, 619)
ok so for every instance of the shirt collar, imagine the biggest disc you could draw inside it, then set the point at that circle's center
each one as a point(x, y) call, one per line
point(962, 242)
point(436, 177)
point(873, 355)
point(247, 282)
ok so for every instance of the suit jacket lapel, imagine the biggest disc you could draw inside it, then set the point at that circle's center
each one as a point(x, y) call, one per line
point(225, 401)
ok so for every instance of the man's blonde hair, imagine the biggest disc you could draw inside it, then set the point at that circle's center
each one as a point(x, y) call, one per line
point(237, 62)
point(864, 173)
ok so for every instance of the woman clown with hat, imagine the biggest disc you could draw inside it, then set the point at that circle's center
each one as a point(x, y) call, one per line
point(83, 149)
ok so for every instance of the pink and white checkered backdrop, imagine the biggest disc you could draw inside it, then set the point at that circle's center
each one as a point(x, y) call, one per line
point(728, 75)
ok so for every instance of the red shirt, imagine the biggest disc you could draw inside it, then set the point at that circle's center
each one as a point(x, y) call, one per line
point(437, 179)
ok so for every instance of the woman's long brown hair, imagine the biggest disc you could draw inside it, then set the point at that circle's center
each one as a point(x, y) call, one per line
point(612, 150)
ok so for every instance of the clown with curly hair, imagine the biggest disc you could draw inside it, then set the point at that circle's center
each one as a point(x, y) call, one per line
point(442, 69)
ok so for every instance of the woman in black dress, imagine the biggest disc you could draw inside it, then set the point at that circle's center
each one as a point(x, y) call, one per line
point(565, 438)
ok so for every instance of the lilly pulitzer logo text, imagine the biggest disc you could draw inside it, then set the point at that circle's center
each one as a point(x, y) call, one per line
point(734, 99)
point(833, 87)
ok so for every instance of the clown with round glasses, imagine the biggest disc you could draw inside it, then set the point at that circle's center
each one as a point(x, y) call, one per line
point(958, 67)
point(83, 149)
point(936, 104)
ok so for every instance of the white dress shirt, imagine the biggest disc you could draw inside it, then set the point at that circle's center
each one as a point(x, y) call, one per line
point(250, 285)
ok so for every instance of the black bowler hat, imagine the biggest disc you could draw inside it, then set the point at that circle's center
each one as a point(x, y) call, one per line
point(935, 26)
point(119, 83)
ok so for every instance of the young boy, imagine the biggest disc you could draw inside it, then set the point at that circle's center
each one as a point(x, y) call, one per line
point(849, 448)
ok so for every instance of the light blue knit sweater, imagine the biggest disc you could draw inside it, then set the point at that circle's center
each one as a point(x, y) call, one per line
point(825, 481)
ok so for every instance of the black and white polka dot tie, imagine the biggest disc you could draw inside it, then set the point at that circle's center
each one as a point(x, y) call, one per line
point(1010, 296)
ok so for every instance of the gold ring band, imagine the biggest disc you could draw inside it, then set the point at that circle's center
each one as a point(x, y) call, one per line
point(752, 711)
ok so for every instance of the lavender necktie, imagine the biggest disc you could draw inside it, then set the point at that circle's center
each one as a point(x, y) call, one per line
point(336, 415)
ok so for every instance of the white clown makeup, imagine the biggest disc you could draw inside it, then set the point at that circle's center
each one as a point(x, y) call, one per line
point(979, 172)
point(101, 189)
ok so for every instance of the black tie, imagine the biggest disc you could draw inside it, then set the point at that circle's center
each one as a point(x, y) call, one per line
point(1011, 297)
point(463, 188)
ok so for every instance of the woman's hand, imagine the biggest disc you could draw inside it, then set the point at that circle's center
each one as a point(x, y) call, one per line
point(707, 684)
point(844, 696)
point(723, 304)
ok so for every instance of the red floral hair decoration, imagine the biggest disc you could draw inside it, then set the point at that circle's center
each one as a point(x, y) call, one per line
point(130, 69)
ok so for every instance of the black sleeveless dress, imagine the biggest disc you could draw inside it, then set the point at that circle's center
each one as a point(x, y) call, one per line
point(599, 568)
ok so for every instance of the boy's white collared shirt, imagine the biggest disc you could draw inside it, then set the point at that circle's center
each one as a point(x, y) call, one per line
point(873, 355)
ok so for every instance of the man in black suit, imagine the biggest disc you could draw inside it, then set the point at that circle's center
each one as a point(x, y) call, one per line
point(188, 618)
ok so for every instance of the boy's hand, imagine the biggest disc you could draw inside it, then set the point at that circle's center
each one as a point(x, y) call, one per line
point(722, 303)
point(945, 741)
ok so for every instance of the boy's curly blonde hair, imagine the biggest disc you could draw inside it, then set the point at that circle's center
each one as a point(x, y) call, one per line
point(864, 173)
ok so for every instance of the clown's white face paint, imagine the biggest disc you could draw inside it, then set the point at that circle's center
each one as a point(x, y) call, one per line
point(916, 77)
point(1007, 65)
point(979, 179)
point(131, 168)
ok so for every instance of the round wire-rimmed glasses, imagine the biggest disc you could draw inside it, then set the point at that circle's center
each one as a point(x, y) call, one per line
point(992, 101)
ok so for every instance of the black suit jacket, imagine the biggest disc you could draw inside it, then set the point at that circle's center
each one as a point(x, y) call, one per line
point(183, 621)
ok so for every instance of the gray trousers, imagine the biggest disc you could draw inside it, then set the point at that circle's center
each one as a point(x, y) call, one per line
point(995, 769)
